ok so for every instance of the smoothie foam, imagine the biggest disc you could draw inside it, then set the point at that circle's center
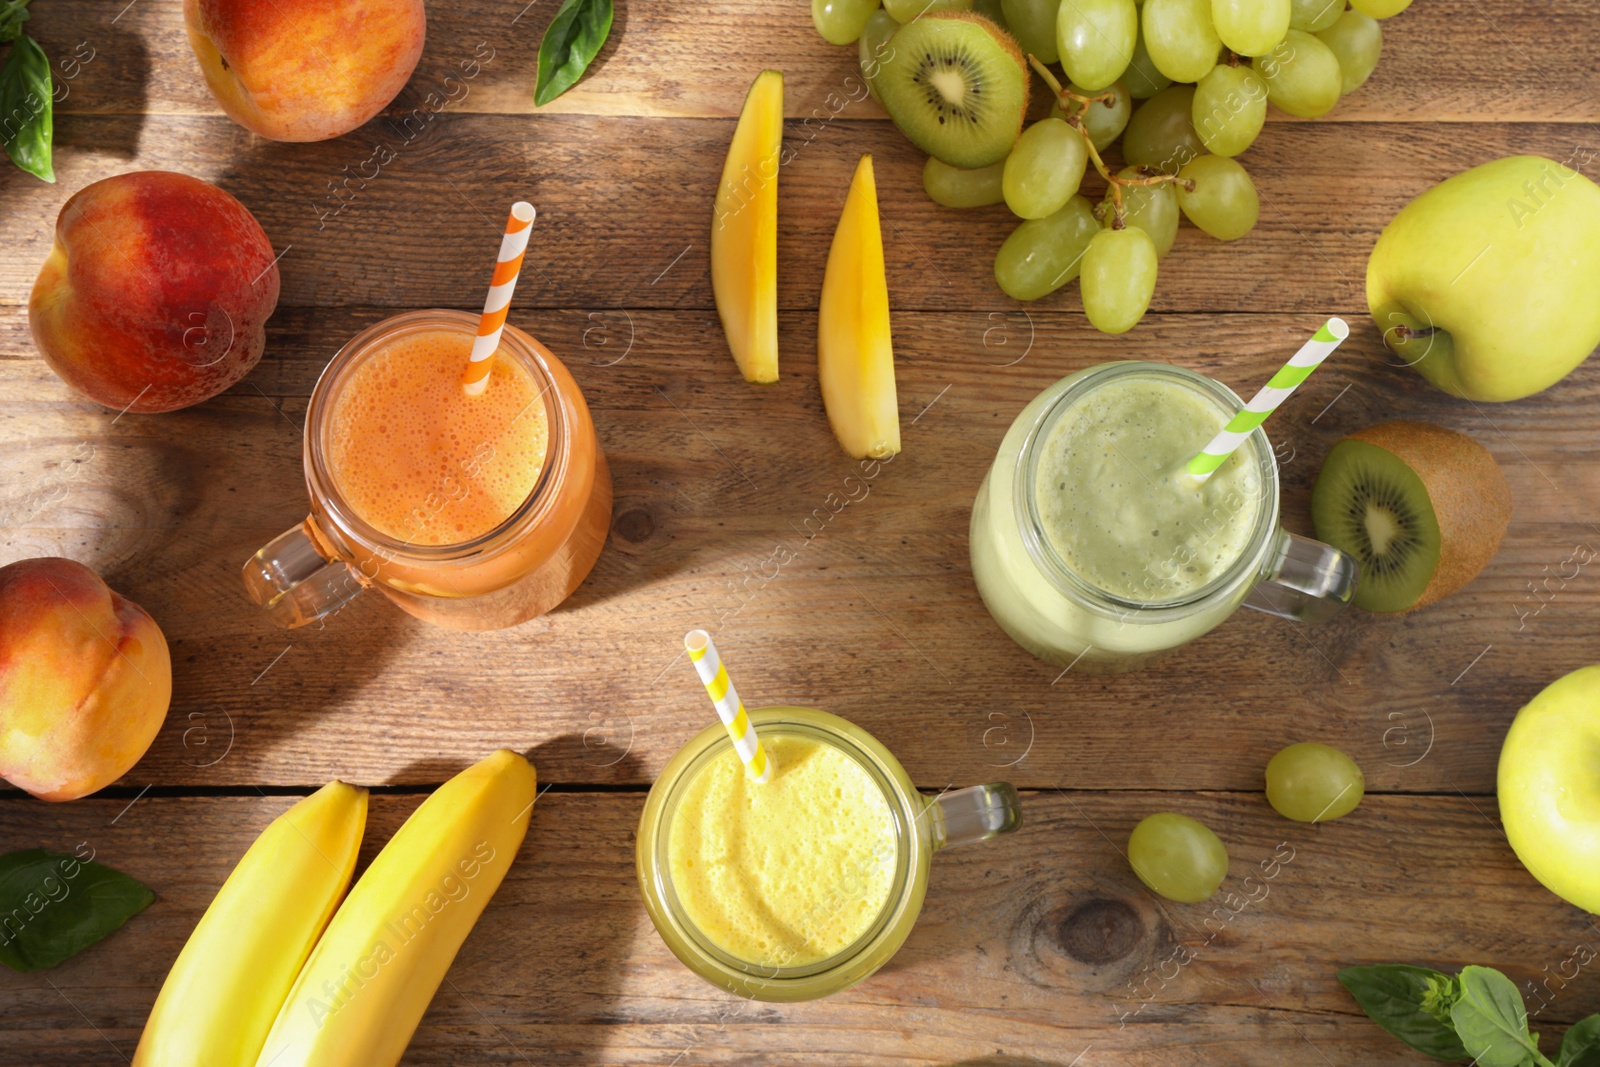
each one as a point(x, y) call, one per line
point(786, 873)
point(1116, 504)
point(419, 459)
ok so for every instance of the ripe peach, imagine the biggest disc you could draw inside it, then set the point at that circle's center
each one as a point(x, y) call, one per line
point(85, 679)
point(156, 292)
point(305, 70)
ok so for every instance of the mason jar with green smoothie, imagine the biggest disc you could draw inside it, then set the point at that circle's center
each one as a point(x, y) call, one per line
point(1094, 546)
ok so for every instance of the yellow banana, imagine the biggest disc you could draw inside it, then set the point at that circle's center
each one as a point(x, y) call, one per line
point(361, 994)
point(744, 232)
point(855, 357)
point(225, 989)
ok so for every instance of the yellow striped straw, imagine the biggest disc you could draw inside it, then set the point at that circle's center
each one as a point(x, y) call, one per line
point(703, 652)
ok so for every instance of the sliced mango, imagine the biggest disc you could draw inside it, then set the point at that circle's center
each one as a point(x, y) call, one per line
point(744, 232)
point(855, 359)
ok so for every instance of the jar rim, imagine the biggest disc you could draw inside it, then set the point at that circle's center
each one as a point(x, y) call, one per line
point(324, 486)
point(1047, 560)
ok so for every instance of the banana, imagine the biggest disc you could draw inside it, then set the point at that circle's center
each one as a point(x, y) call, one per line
point(744, 232)
point(361, 994)
point(225, 989)
point(855, 357)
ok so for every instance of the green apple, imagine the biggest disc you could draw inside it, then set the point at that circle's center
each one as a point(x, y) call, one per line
point(1489, 283)
point(1550, 787)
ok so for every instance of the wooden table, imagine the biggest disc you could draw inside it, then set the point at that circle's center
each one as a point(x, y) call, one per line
point(1041, 948)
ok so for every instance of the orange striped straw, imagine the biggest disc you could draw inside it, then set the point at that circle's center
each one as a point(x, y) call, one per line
point(498, 302)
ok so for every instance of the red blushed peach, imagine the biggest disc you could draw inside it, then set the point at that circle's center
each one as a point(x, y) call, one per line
point(305, 70)
point(85, 679)
point(156, 293)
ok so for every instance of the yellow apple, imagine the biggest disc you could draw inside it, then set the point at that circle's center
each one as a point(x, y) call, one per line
point(1485, 283)
point(1550, 787)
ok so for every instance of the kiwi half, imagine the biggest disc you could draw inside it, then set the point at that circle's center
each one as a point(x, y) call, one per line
point(1421, 508)
point(956, 84)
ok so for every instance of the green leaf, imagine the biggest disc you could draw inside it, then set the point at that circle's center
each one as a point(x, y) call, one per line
point(1412, 1003)
point(570, 44)
point(54, 906)
point(1581, 1046)
point(1492, 1020)
point(26, 123)
point(13, 13)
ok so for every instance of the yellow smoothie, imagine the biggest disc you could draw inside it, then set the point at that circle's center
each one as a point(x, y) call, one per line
point(786, 873)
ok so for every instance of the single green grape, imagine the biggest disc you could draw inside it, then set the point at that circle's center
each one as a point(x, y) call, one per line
point(1314, 15)
point(1044, 169)
point(1118, 279)
point(1180, 36)
point(1380, 9)
point(1142, 77)
point(1095, 39)
point(1042, 255)
point(1302, 75)
point(1309, 782)
point(1229, 109)
point(906, 10)
point(954, 187)
point(990, 9)
point(841, 21)
point(1033, 24)
point(1224, 202)
point(1104, 120)
point(1251, 27)
point(1356, 41)
point(1152, 208)
point(1161, 133)
point(1177, 857)
point(873, 48)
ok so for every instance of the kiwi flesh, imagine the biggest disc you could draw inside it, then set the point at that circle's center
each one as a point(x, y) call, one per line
point(956, 84)
point(1421, 509)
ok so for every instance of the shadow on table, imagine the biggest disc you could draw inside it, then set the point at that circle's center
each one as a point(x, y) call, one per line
point(108, 54)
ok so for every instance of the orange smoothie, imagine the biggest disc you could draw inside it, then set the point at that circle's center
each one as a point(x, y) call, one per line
point(420, 460)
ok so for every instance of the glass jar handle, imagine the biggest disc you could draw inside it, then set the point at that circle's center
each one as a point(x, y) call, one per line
point(977, 813)
point(1305, 580)
point(296, 581)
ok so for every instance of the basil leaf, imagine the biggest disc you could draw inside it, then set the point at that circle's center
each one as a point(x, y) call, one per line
point(1581, 1046)
point(570, 44)
point(54, 906)
point(1492, 1020)
point(13, 13)
point(1412, 1003)
point(26, 123)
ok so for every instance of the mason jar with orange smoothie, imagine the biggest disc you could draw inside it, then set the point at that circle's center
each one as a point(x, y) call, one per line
point(471, 512)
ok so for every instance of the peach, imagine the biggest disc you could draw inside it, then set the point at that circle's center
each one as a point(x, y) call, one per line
point(85, 679)
point(156, 293)
point(305, 70)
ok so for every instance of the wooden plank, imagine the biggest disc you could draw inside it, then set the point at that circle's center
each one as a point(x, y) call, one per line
point(875, 616)
point(667, 60)
point(1030, 949)
point(625, 206)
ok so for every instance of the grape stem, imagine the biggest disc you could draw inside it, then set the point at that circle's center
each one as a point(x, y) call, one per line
point(1073, 107)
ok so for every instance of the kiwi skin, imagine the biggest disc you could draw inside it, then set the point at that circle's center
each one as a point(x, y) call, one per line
point(1008, 45)
point(1468, 493)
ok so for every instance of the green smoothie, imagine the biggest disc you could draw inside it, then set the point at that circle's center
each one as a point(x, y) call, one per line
point(1117, 505)
point(1092, 546)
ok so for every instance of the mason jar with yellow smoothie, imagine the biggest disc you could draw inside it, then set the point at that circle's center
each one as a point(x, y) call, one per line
point(1095, 549)
point(800, 886)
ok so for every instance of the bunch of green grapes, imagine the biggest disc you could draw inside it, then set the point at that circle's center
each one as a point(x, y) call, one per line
point(1180, 87)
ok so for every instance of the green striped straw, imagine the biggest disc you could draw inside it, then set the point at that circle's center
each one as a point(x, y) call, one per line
point(1275, 392)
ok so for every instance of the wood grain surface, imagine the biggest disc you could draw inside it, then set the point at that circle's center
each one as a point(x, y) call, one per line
point(1041, 949)
point(1037, 949)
